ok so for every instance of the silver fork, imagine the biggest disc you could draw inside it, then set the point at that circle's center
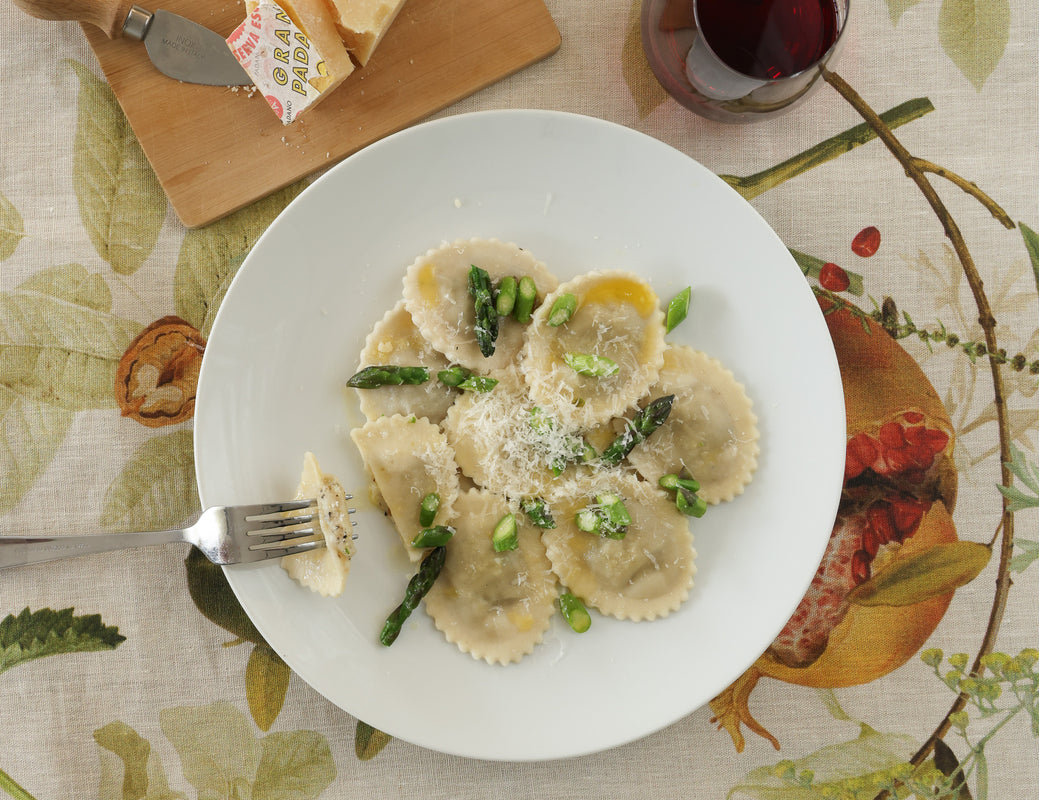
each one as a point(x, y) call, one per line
point(225, 534)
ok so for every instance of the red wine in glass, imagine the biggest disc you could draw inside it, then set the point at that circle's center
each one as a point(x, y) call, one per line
point(738, 60)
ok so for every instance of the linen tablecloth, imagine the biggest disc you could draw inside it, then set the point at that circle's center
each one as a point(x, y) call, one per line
point(137, 675)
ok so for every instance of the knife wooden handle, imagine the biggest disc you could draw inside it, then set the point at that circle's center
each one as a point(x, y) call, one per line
point(108, 15)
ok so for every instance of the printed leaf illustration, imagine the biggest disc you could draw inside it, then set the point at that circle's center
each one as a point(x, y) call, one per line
point(1025, 559)
point(130, 769)
point(35, 634)
point(214, 598)
point(120, 201)
point(1028, 474)
point(933, 572)
point(30, 434)
point(55, 349)
point(974, 34)
point(266, 682)
point(899, 7)
point(219, 753)
point(369, 741)
point(838, 770)
point(74, 283)
point(294, 766)
point(1032, 245)
point(156, 489)
point(12, 229)
point(643, 85)
point(210, 256)
point(222, 758)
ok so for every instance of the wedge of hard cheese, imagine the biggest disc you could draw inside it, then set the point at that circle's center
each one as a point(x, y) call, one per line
point(362, 24)
point(292, 51)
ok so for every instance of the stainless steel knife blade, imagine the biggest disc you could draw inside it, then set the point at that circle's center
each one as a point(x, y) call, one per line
point(183, 49)
point(178, 47)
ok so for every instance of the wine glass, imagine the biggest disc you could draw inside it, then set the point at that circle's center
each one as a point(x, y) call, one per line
point(741, 60)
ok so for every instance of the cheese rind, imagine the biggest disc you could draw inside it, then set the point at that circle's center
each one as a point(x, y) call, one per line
point(292, 51)
point(362, 24)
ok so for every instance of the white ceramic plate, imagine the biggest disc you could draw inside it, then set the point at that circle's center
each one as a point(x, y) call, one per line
point(580, 194)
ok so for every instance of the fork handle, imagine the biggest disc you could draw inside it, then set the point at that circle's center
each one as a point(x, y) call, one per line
point(16, 551)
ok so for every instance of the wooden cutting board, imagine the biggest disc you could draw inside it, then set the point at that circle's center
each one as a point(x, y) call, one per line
point(216, 149)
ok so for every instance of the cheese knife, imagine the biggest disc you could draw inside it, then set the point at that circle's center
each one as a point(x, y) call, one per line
point(178, 47)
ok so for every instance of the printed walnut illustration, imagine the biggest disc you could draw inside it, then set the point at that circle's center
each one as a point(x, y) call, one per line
point(157, 376)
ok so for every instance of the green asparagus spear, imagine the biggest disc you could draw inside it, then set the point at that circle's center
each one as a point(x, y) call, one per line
point(591, 365)
point(428, 509)
point(486, 329)
point(453, 376)
point(562, 309)
point(613, 507)
point(388, 375)
point(537, 511)
point(642, 425)
point(478, 383)
point(677, 309)
point(574, 612)
point(504, 537)
point(462, 378)
point(506, 299)
point(673, 483)
point(690, 503)
point(437, 536)
point(526, 295)
point(418, 586)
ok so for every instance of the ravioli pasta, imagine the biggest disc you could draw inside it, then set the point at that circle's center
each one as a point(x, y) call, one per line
point(436, 294)
point(407, 459)
point(712, 429)
point(645, 575)
point(396, 340)
point(617, 317)
point(533, 427)
point(494, 606)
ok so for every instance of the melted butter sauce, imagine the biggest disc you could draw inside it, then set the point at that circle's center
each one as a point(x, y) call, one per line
point(622, 290)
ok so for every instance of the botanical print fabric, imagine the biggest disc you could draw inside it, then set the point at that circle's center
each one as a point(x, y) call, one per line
point(905, 189)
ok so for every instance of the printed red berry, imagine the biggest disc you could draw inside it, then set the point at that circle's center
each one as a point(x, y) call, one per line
point(866, 242)
point(833, 278)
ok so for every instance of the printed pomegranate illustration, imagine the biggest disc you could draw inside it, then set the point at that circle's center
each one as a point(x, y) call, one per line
point(898, 496)
point(157, 376)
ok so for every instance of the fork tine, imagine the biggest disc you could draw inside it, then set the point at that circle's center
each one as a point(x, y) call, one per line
point(303, 547)
point(273, 510)
point(288, 524)
point(282, 538)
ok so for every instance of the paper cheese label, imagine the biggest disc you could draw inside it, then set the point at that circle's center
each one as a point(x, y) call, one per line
point(284, 64)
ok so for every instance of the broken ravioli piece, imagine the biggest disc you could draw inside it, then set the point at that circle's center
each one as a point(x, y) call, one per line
point(409, 458)
point(645, 575)
point(292, 51)
point(712, 430)
point(494, 606)
point(324, 570)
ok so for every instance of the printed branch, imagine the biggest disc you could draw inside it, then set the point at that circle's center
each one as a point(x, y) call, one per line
point(917, 174)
